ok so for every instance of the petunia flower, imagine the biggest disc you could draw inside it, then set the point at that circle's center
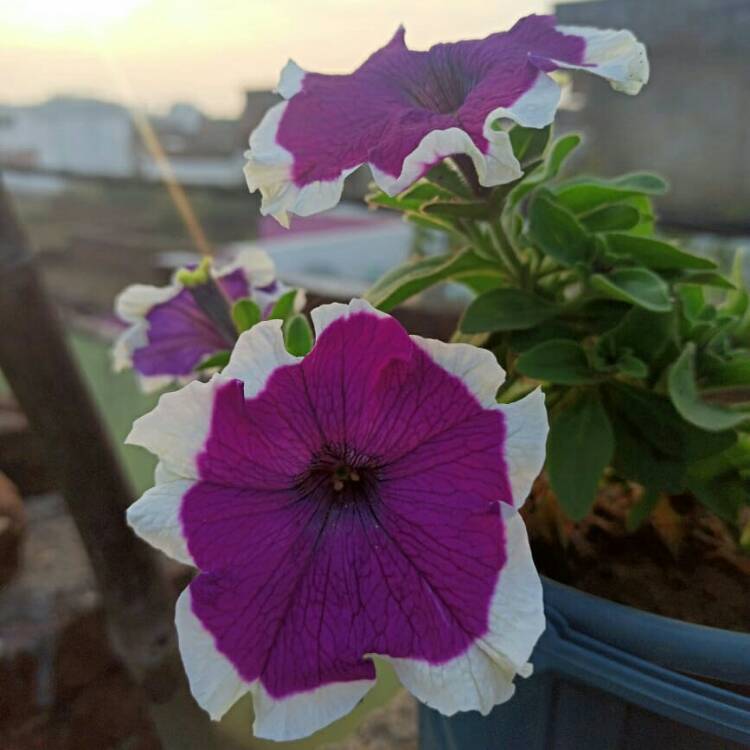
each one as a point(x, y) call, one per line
point(358, 501)
point(403, 111)
point(169, 334)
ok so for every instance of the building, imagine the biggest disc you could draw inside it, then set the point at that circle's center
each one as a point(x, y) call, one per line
point(690, 122)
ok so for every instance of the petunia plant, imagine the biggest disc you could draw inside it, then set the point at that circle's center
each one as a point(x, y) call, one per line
point(348, 491)
point(642, 347)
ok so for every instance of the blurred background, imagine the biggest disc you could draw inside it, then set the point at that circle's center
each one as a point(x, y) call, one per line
point(122, 131)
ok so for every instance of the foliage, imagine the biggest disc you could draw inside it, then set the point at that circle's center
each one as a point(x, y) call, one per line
point(643, 348)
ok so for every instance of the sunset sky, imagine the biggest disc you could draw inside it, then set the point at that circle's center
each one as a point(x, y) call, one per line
point(209, 51)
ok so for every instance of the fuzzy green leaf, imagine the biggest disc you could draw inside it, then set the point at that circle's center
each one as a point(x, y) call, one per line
point(298, 336)
point(558, 361)
point(403, 282)
point(615, 218)
point(684, 394)
point(506, 310)
point(245, 314)
point(639, 286)
point(557, 232)
point(655, 253)
point(580, 446)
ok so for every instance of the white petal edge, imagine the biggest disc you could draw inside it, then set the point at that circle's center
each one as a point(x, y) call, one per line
point(476, 367)
point(535, 108)
point(300, 715)
point(133, 302)
point(256, 355)
point(290, 80)
point(126, 343)
point(496, 167)
point(482, 677)
point(614, 54)
point(155, 517)
point(257, 265)
point(177, 428)
point(214, 682)
point(525, 442)
point(269, 169)
point(324, 315)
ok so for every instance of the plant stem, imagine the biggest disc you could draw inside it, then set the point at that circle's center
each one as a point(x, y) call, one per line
point(508, 254)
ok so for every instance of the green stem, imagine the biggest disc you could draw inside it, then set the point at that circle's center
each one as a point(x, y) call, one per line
point(508, 254)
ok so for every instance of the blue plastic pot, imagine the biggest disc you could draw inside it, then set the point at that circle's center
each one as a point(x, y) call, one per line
point(610, 677)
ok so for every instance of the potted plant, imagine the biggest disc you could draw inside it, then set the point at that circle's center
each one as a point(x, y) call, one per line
point(643, 352)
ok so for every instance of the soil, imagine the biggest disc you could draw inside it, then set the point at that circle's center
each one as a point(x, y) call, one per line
point(682, 562)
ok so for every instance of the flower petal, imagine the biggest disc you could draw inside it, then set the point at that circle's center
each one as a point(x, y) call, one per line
point(155, 517)
point(291, 80)
point(257, 354)
point(615, 55)
point(324, 315)
point(525, 442)
point(177, 428)
point(482, 677)
point(403, 111)
point(133, 302)
point(214, 682)
point(477, 368)
point(300, 715)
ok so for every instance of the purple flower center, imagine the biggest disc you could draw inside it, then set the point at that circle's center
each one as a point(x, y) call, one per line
point(342, 478)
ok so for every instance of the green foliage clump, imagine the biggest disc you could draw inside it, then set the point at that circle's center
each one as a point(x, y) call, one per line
point(643, 348)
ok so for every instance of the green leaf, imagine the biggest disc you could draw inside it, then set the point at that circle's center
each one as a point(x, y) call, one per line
point(584, 194)
point(656, 422)
point(684, 394)
point(561, 149)
point(643, 333)
point(556, 157)
point(412, 277)
point(284, 306)
point(632, 366)
point(643, 182)
point(705, 278)
point(733, 371)
point(529, 143)
point(521, 341)
point(220, 359)
point(639, 460)
point(506, 310)
point(298, 336)
point(655, 253)
point(557, 232)
point(617, 217)
point(642, 510)
point(245, 314)
point(638, 286)
point(580, 446)
point(557, 361)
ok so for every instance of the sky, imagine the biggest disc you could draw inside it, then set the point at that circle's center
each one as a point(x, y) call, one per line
point(156, 52)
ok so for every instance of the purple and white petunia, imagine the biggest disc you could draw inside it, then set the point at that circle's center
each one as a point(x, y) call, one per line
point(359, 501)
point(168, 334)
point(403, 111)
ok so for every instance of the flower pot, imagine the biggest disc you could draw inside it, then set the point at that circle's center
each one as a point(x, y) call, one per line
point(610, 676)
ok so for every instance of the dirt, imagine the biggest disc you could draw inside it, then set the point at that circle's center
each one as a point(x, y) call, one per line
point(682, 562)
